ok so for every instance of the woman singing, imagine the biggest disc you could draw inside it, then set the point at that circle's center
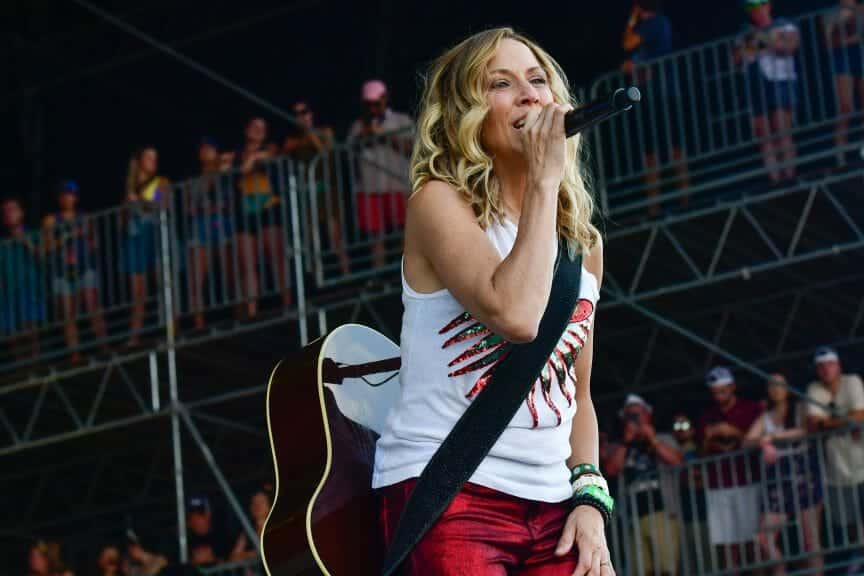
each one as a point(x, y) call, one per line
point(496, 186)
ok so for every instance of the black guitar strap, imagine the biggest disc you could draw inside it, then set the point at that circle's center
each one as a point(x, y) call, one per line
point(486, 417)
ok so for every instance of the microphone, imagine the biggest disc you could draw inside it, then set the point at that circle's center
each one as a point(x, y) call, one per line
point(599, 110)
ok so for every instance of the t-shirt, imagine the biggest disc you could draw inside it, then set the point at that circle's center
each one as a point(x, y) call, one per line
point(381, 167)
point(844, 453)
point(742, 415)
point(757, 47)
point(645, 478)
point(656, 34)
point(70, 245)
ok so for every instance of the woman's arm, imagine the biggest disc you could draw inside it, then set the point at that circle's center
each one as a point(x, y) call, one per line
point(446, 248)
point(630, 40)
point(754, 435)
point(666, 454)
point(789, 434)
point(584, 436)
point(584, 529)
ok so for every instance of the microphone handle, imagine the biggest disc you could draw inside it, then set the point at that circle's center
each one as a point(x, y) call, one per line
point(599, 110)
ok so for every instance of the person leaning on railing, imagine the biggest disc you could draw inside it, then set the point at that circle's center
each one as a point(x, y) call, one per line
point(382, 139)
point(22, 297)
point(732, 491)
point(837, 402)
point(260, 220)
point(146, 194)
point(209, 227)
point(647, 40)
point(311, 145)
point(791, 487)
point(843, 31)
point(71, 244)
point(639, 459)
point(767, 49)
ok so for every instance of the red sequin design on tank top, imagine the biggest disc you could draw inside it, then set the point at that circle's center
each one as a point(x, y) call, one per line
point(488, 350)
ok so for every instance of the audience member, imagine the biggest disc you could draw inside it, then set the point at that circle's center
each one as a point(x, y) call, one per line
point(647, 39)
point(639, 459)
point(108, 562)
point(732, 496)
point(767, 49)
point(836, 402)
point(204, 545)
point(259, 221)
point(843, 36)
point(209, 225)
point(685, 436)
point(146, 194)
point(71, 244)
point(790, 486)
point(259, 508)
point(45, 559)
point(22, 296)
point(691, 501)
point(382, 140)
point(306, 142)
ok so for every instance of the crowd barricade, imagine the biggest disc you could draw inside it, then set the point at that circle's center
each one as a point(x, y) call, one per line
point(745, 511)
point(694, 134)
point(353, 198)
point(72, 280)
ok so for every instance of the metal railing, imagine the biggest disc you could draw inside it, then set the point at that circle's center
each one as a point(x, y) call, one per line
point(798, 511)
point(97, 282)
point(64, 287)
point(354, 207)
point(711, 115)
point(244, 568)
point(230, 242)
point(237, 241)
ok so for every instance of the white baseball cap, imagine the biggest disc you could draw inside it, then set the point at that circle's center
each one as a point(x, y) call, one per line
point(637, 400)
point(825, 354)
point(719, 376)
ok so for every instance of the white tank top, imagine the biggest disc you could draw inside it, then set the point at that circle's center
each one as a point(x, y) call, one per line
point(445, 355)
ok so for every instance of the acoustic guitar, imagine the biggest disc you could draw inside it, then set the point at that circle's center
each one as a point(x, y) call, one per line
point(326, 407)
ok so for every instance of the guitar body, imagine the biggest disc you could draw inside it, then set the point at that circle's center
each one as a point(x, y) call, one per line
point(326, 407)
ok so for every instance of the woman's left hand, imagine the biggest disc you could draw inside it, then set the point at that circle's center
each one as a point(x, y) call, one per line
point(585, 530)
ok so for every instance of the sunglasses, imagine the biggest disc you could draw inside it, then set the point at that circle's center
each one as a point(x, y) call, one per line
point(681, 426)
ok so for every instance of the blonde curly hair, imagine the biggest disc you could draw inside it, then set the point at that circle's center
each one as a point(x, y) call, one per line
point(448, 144)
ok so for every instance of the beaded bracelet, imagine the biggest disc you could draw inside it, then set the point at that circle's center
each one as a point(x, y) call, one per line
point(595, 497)
point(582, 470)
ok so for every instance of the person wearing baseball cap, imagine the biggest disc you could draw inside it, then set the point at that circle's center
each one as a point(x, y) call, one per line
point(382, 139)
point(205, 545)
point(72, 255)
point(639, 458)
point(837, 401)
point(732, 497)
point(767, 48)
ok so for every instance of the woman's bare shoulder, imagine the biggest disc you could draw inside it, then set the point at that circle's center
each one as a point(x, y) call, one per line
point(593, 262)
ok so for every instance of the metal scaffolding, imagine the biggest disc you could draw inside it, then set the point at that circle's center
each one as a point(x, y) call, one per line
point(679, 294)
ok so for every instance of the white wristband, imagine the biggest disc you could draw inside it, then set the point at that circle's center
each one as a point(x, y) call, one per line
point(590, 480)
